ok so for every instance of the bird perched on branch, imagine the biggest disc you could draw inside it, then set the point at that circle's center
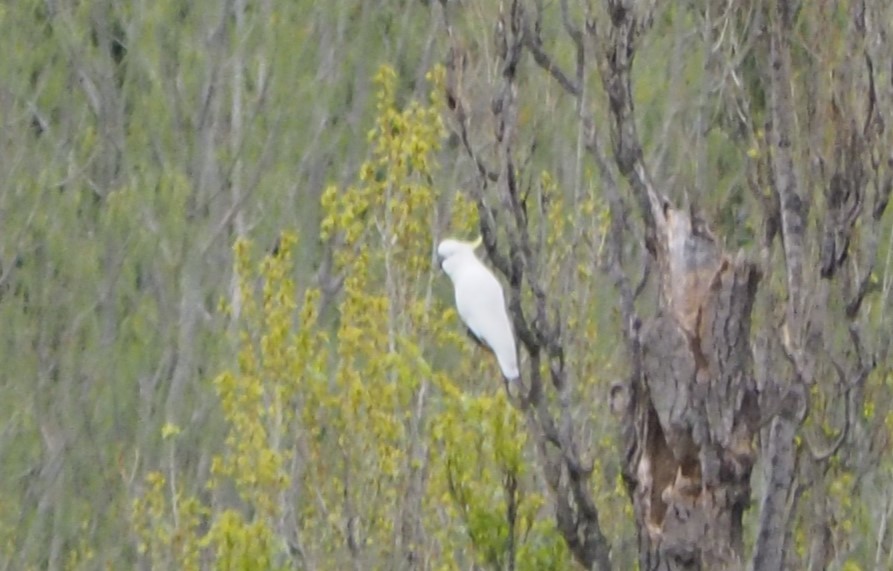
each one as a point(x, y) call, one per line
point(480, 302)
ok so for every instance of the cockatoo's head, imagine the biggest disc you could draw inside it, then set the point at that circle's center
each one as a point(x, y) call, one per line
point(452, 254)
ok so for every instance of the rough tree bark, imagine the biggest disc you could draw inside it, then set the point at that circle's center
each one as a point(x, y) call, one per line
point(694, 410)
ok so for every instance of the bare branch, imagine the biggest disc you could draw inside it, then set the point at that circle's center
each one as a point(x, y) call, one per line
point(534, 44)
point(519, 261)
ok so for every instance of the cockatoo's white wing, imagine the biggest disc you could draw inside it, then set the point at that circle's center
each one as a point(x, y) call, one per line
point(481, 305)
point(480, 302)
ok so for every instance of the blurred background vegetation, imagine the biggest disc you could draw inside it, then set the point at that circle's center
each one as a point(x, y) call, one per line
point(224, 343)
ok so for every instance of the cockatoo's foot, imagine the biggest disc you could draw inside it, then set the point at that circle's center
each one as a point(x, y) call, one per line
point(514, 390)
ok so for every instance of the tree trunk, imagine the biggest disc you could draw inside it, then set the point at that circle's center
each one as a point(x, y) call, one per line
point(694, 408)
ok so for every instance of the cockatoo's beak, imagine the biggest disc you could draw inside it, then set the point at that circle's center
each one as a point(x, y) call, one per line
point(439, 261)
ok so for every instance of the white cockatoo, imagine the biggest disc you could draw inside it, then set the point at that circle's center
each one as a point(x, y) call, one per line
point(480, 302)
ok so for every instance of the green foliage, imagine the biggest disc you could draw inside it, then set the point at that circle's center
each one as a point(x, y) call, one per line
point(489, 483)
point(255, 403)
